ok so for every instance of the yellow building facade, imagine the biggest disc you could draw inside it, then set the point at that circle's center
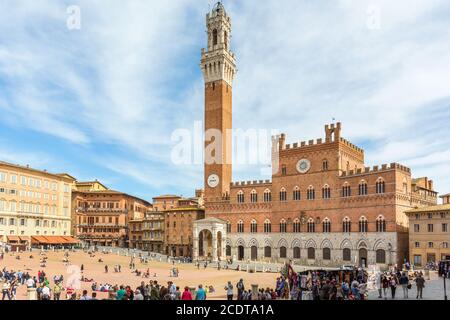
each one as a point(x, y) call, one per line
point(33, 203)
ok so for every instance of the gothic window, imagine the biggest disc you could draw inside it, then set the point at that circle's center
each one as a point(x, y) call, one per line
point(381, 256)
point(296, 253)
point(228, 251)
point(311, 195)
point(326, 192)
point(267, 196)
point(311, 253)
point(283, 252)
point(240, 227)
point(380, 186)
point(267, 252)
point(326, 254)
point(283, 226)
point(326, 225)
point(296, 226)
point(214, 37)
point(346, 254)
point(240, 197)
point(346, 191)
point(311, 226)
point(283, 195)
point(362, 189)
point(381, 224)
point(346, 225)
point(254, 196)
point(283, 170)
point(363, 225)
point(267, 226)
point(296, 194)
point(325, 165)
point(253, 226)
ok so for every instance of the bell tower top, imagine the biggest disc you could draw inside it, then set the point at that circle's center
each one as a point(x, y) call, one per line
point(218, 62)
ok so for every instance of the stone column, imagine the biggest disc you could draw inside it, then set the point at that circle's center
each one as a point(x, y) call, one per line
point(195, 246)
point(214, 246)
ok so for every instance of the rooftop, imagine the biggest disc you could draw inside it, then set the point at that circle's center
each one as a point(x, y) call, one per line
point(438, 208)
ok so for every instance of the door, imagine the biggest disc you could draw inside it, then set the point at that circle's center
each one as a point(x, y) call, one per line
point(254, 255)
point(363, 258)
point(241, 253)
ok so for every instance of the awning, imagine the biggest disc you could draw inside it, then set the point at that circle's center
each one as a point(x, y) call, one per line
point(24, 239)
point(13, 239)
point(53, 240)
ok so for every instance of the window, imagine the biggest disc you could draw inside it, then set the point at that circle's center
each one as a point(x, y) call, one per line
point(283, 170)
point(228, 226)
point(13, 179)
point(380, 256)
point(417, 216)
point(346, 191)
point(23, 222)
point(214, 37)
point(326, 254)
point(283, 195)
point(2, 176)
point(283, 252)
point(311, 253)
point(296, 226)
point(346, 254)
point(417, 260)
point(311, 226)
point(267, 252)
point(347, 225)
point(430, 227)
point(417, 228)
point(296, 194)
point(326, 192)
point(311, 195)
point(380, 186)
point(417, 244)
point(444, 227)
point(445, 245)
point(296, 253)
point(253, 196)
point(253, 227)
point(381, 224)
point(267, 226)
point(363, 225)
point(267, 196)
point(12, 222)
point(326, 226)
point(240, 197)
point(430, 244)
point(325, 165)
point(240, 227)
point(228, 251)
point(37, 223)
point(283, 226)
point(443, 215)
point(362, 189)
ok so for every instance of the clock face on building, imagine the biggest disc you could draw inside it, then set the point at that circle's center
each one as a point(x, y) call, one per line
point(213, 180)
point(303, 166)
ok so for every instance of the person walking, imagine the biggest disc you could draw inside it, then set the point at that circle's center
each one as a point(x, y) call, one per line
point(404, 281)
point(57, 291)
point(186, 294)
point(240, 289)
point(5, 290)
point(201, 293)
point(393, 283)
point(420, 284)
point(229, 289)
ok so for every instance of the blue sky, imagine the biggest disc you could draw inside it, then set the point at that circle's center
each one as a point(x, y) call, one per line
point(102, 102)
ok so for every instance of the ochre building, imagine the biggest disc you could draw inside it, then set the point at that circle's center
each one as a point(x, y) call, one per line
point(322, 206)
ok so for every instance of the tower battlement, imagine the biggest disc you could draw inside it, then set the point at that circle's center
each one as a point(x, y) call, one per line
point(250, 183)
point(376, 169)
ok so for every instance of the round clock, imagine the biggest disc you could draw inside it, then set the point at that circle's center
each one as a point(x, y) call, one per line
point(213, 180)
point(303, 166)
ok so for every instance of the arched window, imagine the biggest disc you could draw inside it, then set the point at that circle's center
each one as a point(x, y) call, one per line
point(380, 186)
point(253, 226)
point(228, 226)
point(362, 189)
point(346, 225)
point(215, 40)
point(253, 196)
point(311, 226)
point(240, 227)
point(283, 253)
point(325, 165)
point(381, 224)
point(381, 256)
point(296, 226)
point(346, 190)
point(228, 251)
point(296, 195)
point(225, 36)
point(326, 192)
point(311, 194)
point(296, 252)
point(326, 254)
point(267, 252)
point(326, 225)
point(311, 253)
point(240, 197)
point(283, 226)
point(267, 226)
point(346, 254)
point(283, 194)
point(267, 196)
point(363, 224)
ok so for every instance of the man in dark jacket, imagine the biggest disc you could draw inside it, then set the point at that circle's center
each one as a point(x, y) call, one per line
point(420, 283)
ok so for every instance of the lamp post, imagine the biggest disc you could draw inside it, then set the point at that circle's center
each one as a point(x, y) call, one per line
point(444, 274)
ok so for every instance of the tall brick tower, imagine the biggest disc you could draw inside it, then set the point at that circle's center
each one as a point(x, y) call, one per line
point(219, 68)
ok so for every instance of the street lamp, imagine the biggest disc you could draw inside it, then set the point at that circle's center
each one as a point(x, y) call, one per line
point(444, 275)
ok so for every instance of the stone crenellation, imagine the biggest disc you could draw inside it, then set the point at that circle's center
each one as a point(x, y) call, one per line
point(250, 183)
point(374, 169)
